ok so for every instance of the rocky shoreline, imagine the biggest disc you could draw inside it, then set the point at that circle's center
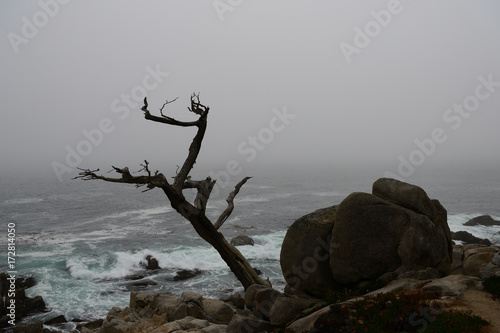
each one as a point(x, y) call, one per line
point(372, 251)
point(264, 309)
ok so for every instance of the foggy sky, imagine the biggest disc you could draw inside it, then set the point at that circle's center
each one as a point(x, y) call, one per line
point(287, 83)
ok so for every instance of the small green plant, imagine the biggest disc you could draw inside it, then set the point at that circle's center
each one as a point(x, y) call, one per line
point(492, 285)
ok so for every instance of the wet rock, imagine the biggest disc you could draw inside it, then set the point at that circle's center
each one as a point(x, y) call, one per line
point(91, 325)
point(236, 300)
point(151, 263)
point(34, 327)
point(242, 240)
point(469, 238)
point(186, 274)
point(56, 320)
point(485, 220)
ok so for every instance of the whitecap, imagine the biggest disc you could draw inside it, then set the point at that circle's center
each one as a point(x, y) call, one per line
point(21, 201)
point(253, 199)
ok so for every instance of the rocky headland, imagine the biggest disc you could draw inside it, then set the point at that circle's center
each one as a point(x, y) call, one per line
point(384, 259)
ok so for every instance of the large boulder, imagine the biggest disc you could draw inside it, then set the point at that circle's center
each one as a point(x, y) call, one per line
point(396, 228)
point(305, 254)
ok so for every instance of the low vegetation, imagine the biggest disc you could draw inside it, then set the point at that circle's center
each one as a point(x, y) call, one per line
point(408, 312)
point(492, 285)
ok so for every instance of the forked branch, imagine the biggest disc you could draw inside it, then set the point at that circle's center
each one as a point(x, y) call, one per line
point(230, 204)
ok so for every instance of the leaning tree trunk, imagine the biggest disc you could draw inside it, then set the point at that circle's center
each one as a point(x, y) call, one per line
point(193, 213)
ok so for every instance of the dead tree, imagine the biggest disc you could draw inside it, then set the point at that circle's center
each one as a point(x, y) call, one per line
point(195, 212)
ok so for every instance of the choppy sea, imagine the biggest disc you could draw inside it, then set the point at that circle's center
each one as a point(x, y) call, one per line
point(82, 241)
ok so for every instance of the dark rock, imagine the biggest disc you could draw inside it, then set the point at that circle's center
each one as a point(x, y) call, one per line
point(140, 285)
point(264, 301)
point(373, 236)
point(236, 300)
point(191, 297)
point(305, 256)
point(424, 274)
point(134, 277)
point(486, 220)
point(242, 240)
point(414, 198)
point(218, 312)
point(248, 324)
point(405, 195)
point(25, 306)
point(56, 320)
point(285, 309)
point(469, 238)
point(151, 263)
point(186, 274)
point(92, 325)
point(250, 295)
point(34, 327)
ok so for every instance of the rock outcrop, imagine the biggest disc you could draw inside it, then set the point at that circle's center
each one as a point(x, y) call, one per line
point(151, 263)
point(305, 258)
point(400, 229)
point(485, 220)
point(24, 306)
point(396, 229)
point(164, 312)
point(469, 238)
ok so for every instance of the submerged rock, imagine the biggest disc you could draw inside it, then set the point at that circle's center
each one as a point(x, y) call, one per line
point(186, 274)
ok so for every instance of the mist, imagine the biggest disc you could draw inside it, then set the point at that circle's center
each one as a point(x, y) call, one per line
point(398, 86)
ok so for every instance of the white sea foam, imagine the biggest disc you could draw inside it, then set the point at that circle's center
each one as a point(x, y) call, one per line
point(266, 247)
point(456, 223)
point(141, 214)
point(21, 201)
point(254, 199)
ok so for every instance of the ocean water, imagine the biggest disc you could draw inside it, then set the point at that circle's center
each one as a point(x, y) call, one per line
point(83, 241)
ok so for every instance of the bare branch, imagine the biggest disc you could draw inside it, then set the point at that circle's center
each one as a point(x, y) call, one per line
point(194, 148)
point(230, 204)
point(167, 102)
point(158, 180)
point(196, 106)
point(204, 189)
point(164, 119)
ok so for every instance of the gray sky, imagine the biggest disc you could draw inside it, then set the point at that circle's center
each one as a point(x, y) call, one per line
point(380, 83)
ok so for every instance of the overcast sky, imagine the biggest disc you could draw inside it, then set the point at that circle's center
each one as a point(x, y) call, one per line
point(303, 82)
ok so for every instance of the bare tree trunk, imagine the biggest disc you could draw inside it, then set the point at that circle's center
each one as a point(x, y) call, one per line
point(193, 213)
